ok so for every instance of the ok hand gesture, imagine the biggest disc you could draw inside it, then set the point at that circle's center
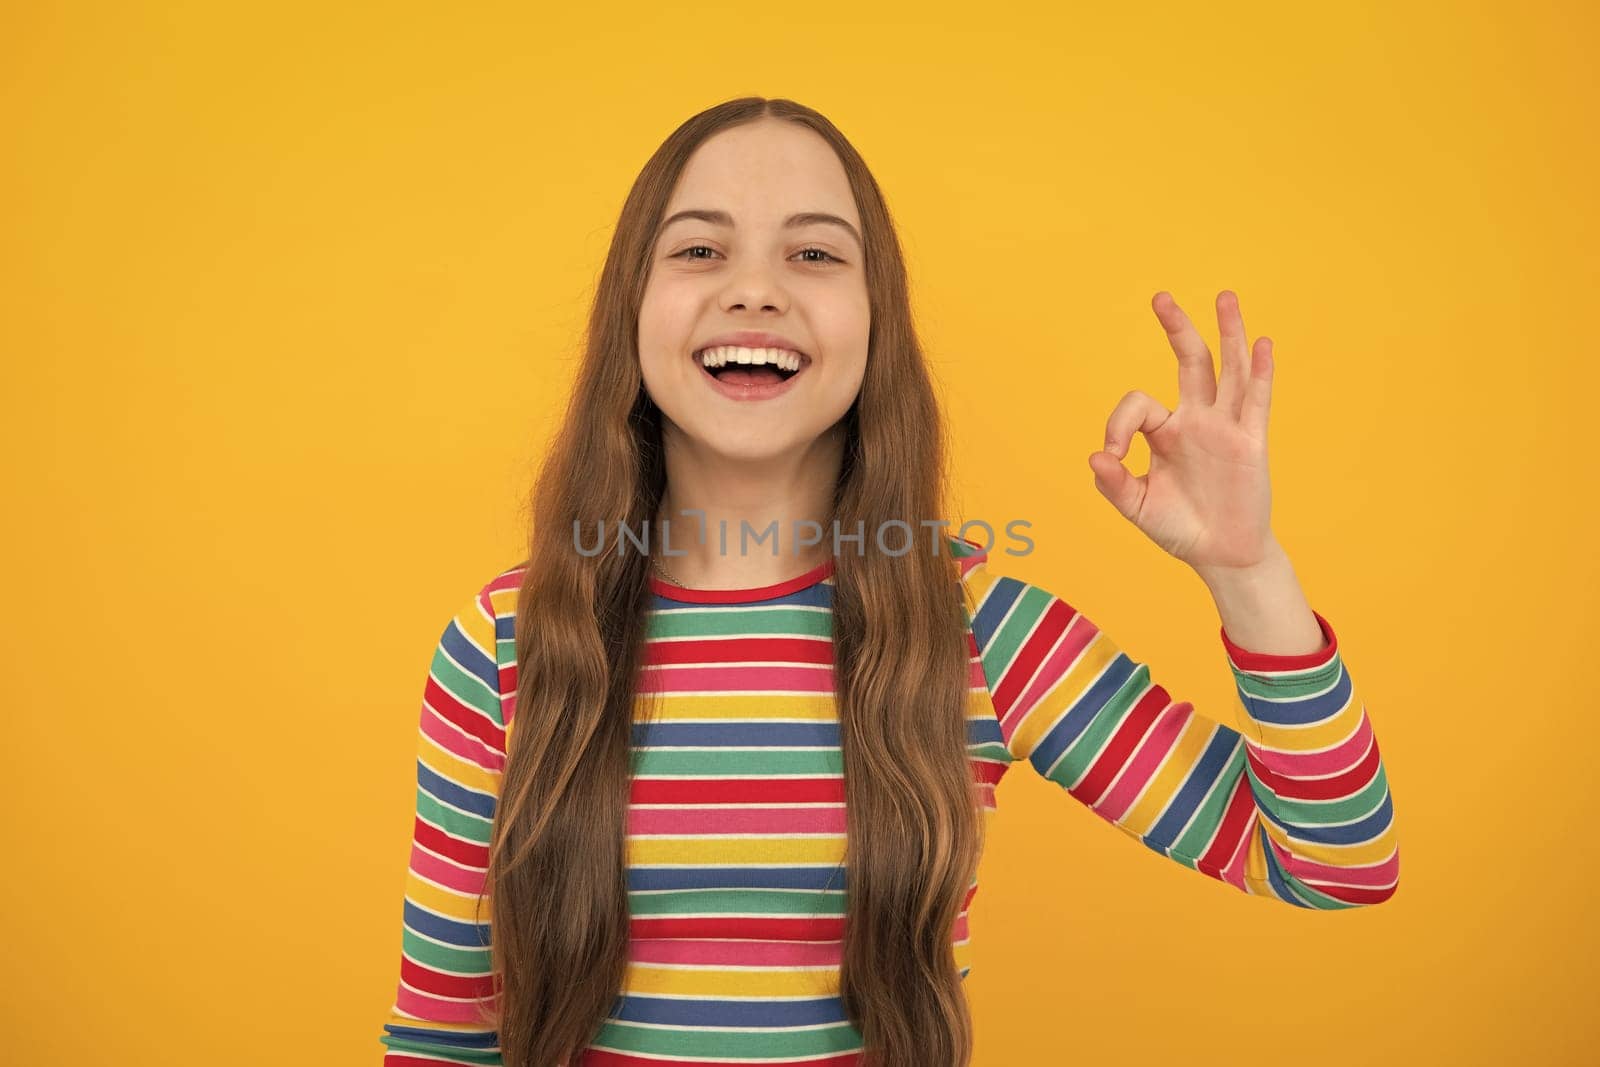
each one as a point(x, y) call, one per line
point(1206, 498)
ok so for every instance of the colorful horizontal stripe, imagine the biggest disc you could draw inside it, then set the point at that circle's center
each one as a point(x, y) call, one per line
point(736, 826)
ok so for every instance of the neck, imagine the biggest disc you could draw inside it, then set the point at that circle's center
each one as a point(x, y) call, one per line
point(773, 498)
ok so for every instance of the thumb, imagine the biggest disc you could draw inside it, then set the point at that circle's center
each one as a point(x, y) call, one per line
point(1115, 482)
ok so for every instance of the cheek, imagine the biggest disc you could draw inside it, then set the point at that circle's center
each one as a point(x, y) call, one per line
point(654, 340)
point(666, 319)
point(851, 378)
point(844, 324)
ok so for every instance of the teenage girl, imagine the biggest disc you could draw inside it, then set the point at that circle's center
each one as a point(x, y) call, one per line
point(696, 784)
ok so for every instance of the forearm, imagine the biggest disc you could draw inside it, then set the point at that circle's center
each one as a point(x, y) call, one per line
point(1263, 608)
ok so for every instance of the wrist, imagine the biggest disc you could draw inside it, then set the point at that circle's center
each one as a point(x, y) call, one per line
point(1269, 569)
point(1263, 608)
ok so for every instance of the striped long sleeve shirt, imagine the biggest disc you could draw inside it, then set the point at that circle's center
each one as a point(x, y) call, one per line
point(736, 825)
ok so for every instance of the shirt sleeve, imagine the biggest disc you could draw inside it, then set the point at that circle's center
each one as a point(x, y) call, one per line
point(1293, 804)
point(445, 961)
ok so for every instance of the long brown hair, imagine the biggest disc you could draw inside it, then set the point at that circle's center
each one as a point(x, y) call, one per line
point(557, 876)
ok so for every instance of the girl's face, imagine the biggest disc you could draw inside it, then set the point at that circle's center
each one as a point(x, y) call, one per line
point(758, 253)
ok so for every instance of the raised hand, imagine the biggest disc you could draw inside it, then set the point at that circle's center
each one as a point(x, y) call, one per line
point(1206, 498)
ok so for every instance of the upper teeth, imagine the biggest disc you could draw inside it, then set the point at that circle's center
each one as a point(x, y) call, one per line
point(721, 354)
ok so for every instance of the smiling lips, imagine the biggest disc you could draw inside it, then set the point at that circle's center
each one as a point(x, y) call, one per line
point(740, 373)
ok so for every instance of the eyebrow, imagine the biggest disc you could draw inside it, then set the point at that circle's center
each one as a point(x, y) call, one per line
point(795, 221)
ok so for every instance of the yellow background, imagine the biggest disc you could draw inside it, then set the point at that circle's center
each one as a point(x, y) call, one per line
point(291, 299)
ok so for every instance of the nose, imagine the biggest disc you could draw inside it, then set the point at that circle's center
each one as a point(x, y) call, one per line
point(754, 285)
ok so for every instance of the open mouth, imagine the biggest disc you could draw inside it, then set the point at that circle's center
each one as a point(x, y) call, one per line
point(752, 374)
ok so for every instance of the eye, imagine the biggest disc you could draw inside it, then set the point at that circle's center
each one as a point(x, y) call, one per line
point(827, 256)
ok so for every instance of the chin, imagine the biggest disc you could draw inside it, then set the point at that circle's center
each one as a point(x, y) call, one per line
point(756, 448)
point(761, 438)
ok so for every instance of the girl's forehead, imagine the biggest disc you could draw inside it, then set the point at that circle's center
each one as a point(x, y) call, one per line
point(732, 164)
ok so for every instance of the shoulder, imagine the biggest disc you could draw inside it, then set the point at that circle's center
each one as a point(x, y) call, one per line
point(478, 614)
point(988, 580)
point(1006, 610)
point(497, 597)
point(482, 624)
